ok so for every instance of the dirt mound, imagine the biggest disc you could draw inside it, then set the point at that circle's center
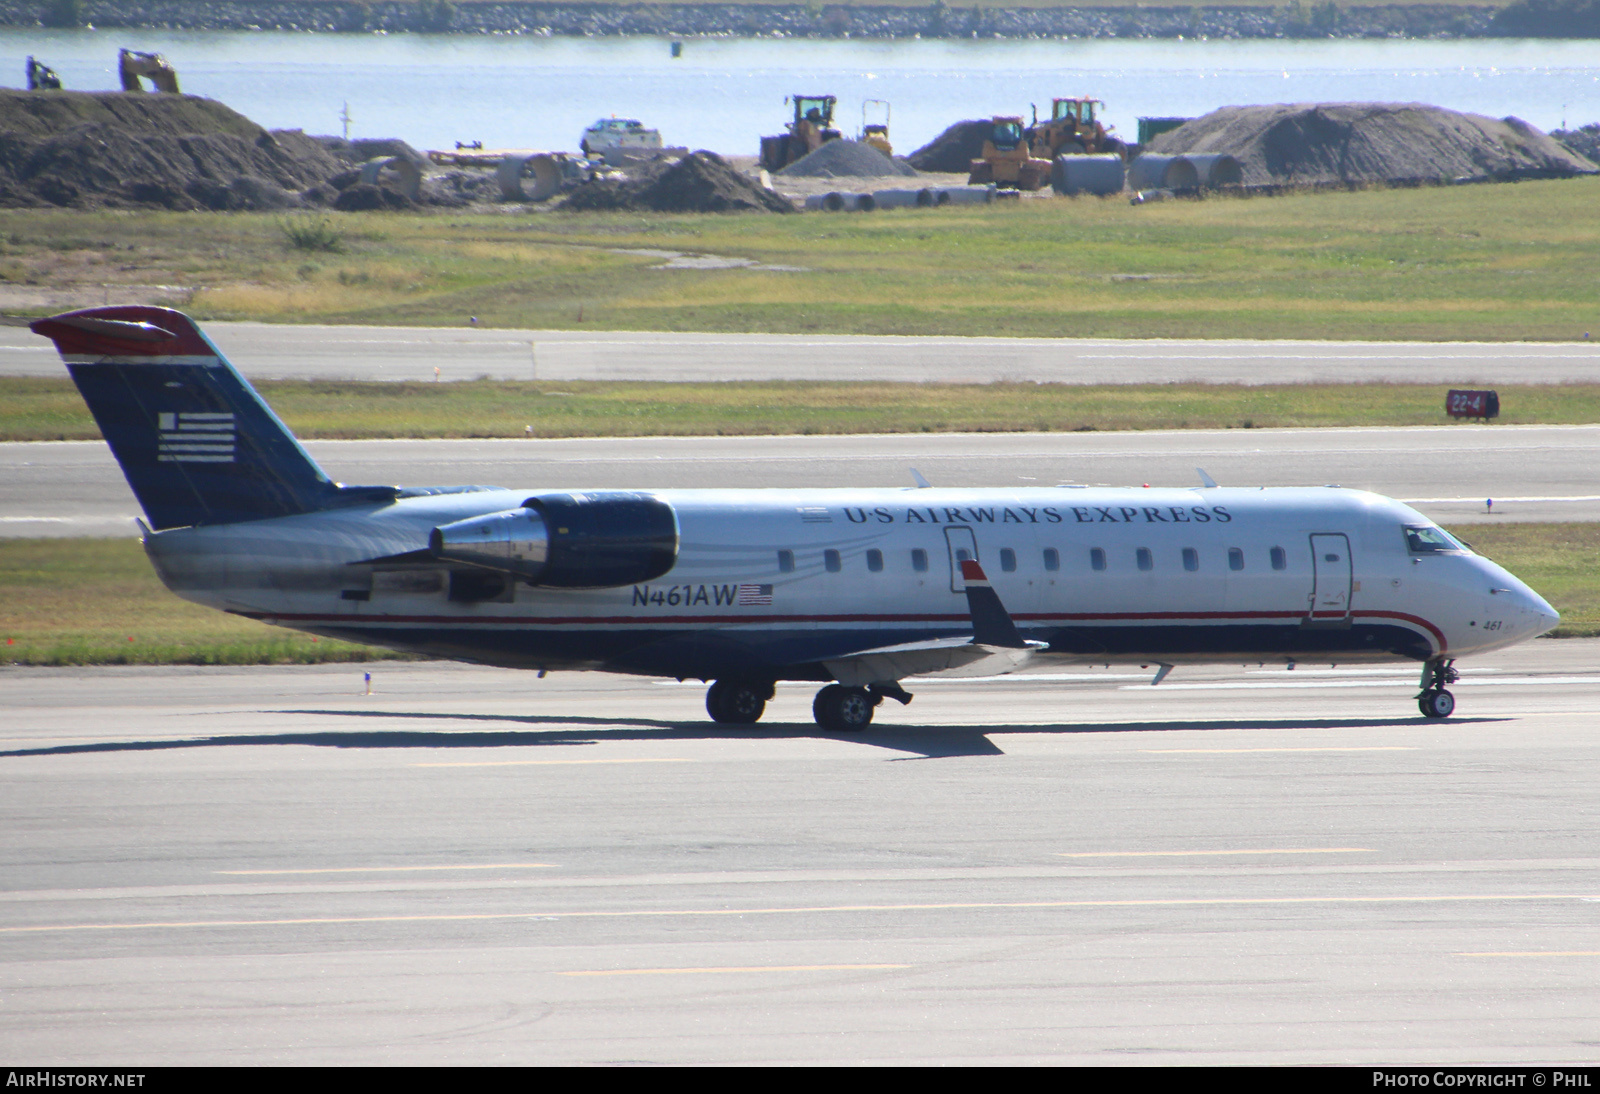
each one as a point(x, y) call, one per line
point(1371, 142)
point(847, 159)
point(117, 149)
point(1585, 141)
point(953, 150)
point(702, 182)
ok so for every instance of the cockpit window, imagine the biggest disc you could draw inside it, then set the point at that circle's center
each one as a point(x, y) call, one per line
point(1427, 539)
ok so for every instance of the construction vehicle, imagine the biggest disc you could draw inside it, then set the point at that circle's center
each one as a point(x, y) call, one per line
point(1008, 159)
point(876, 133)
point(810, 130)
point(1073, 130)
point(132, 65)
point(42, 77)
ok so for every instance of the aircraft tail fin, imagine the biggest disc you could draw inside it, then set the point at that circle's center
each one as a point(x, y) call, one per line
point(197, 444)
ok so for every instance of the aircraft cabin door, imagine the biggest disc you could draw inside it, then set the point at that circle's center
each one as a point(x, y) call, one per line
point(1333, 578)
point(963, 545)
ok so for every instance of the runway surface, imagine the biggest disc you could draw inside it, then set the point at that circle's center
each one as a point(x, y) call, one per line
point(474, 866)
point(1532, 472)
point(269, 351)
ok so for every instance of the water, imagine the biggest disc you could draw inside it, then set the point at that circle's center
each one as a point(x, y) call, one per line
point(722, 94)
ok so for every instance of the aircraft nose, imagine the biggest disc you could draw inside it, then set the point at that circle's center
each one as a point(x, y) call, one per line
point(1536, 610)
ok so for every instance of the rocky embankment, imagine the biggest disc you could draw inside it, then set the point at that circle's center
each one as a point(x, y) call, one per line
point(1291, 19)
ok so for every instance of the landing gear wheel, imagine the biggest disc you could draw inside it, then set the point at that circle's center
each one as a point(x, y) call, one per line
point(737, 702)
point(843, 709)
point(1436, 703)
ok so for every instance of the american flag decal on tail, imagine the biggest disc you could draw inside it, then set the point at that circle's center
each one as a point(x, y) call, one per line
point(755, 596)
point(195, 438)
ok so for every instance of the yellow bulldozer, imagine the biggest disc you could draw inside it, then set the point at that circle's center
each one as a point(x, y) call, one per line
point(131, 65)
point(811, 129)
point(1008, 159)
point(876, 133)
point(1073, 130)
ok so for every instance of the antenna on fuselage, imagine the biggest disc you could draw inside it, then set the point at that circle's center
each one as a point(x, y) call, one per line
point(922, 483)
point(1205, 480)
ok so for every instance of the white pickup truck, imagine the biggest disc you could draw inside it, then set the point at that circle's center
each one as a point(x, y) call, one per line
point(610, 134)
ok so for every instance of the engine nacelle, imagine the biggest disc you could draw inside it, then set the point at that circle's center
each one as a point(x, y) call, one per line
point(568, 541)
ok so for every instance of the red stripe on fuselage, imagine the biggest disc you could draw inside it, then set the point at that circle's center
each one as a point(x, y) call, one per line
point(723, 620)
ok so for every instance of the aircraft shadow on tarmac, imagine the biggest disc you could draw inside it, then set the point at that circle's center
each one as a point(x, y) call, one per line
point(917, 742)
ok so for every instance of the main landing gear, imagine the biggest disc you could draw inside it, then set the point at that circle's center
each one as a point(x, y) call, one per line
point(1434, 701)
point(738, 702)
point(836, 707)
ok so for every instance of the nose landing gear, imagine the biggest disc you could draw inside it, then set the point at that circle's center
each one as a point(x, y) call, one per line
point(1434, 701)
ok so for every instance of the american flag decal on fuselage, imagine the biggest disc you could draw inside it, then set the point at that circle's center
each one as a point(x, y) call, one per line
point(189, 437)
point(756, 596)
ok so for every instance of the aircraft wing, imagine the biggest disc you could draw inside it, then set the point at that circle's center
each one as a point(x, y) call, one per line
point(994, 648)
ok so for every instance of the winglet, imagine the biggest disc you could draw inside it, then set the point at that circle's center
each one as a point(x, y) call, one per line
point(991, 623)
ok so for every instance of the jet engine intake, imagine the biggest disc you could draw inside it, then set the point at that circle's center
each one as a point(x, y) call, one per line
point(568, 541)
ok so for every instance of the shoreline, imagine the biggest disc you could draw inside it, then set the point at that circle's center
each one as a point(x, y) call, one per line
point(1297, 19)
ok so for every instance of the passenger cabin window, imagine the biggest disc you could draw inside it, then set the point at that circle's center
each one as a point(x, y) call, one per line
point(1280, 559)
point(1235, 558)
point(919, 560)
point(875, 560)
point(830, 561)
point(1052, 559)
point(1191, 559)
point(1097, 558)
point(1008, 560)
point(786, 562)
point(1145, 560)
point(1425, 539)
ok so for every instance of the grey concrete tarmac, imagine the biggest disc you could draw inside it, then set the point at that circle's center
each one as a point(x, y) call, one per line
point(475, 866)
point(272, 351)
point(1532, 472)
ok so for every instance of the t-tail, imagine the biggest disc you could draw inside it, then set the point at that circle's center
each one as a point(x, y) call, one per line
point(197, 444)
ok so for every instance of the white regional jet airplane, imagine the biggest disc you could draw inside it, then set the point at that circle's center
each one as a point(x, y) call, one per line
point(855, 589)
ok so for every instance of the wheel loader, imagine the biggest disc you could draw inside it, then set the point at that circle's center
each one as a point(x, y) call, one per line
point(1073, 130)
point(811, 129)
point(1008, 159)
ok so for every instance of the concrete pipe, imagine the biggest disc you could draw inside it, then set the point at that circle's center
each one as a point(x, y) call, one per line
point(830, 203)
point(865, 203)
point(401, 170)
point(543, 168)
point(1153, 172)
point(1098, 175)
point(1216, 170)
point(897, 199)
point(967, 195)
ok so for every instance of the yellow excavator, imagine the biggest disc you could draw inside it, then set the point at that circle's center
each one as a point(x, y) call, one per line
point(41, 77)
point(1073, 129)
point(151, 66)
point(811, 129)
point(1008, 159)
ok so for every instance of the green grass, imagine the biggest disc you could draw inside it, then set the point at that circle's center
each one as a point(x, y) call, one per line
point(98, 602)
point(1481, 263)
point(50, 409)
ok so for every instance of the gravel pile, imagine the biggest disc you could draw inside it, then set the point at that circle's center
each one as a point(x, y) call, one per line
point(702, 182)
point(953, 150)
point(847, 159)
point(1307, 144)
